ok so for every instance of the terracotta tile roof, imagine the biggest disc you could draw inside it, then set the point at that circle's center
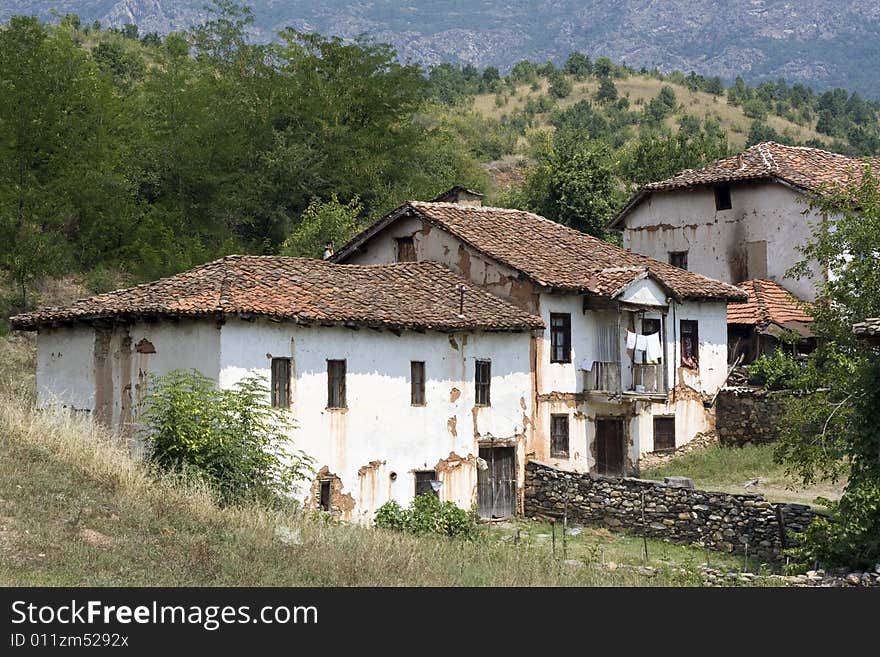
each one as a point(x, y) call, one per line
point(769, 303)
point(810, 169)
point(551, 254)
point(869, 329)
point(417, 295)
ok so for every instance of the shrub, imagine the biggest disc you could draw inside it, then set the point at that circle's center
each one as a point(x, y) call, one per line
point(777, 372)
point(426, 514)
point(233, 439)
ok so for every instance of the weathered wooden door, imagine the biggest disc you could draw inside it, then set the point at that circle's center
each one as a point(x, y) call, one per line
point(609, 446)
point(496, 485)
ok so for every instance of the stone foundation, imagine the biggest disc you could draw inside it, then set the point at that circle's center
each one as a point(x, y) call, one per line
point(748, 415)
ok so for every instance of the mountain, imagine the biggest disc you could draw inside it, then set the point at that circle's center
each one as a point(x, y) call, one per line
point(825, 43)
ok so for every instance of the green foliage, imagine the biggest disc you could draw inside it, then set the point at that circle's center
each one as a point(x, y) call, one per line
point(233, 438)
point(777, 372)
point(323, 222)
point(578, 65)
point(426, 514)
point(833, 431)
point(560, 85)
point(657, 155)
point(607, 92)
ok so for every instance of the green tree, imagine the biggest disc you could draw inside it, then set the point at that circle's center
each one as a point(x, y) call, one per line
point(560, 85)
point(578, 65)
point(832, 430)
point(323, 222)
point(607, 92)
point(232, 438)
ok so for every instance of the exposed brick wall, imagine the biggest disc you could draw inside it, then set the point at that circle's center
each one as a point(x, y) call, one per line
point(720, 521)
point(748, 415)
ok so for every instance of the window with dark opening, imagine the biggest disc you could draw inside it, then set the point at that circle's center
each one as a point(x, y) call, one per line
point(664, 434)
point(559, 435)
point(482, 379)
point(335, 384)
point(423, 482)
point(406, 249)
point(722, 197)
point(690, 344)
point(678, 259)
point(324, 498)
point(560, 337)
point(417, 382)
point(280, 383)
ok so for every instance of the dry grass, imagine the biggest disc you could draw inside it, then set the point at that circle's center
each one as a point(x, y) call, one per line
point(640, 89)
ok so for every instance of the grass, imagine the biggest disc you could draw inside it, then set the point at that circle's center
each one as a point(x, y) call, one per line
point(727, 469)
point(640, 89)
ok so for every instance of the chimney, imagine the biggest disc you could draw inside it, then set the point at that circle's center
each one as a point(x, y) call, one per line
point(460, 196)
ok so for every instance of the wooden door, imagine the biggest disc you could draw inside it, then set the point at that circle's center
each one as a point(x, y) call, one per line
point(496, 485)
point(609, 446)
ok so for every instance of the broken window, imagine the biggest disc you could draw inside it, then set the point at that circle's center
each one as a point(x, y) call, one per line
point(482, 379)
point(336, 384)
point(559, 435)
point(324, 496)
point(664, 434)
point(280, 383)
point(678, 259)
point(690, 344)
point(417, 382)
point(722, 197)
point(406, 249)
point(560, 337)
point(423, 482)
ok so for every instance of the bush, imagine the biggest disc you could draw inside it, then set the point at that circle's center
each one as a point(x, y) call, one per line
point(426, 514)
point(233, 439)
point(776, 372)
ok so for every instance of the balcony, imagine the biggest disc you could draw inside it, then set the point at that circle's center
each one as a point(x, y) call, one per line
point(649, 379)
point(604, 377)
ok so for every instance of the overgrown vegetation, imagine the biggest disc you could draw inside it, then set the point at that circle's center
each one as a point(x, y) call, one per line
point(426, 514)
point(834, 431)
point(232, 438)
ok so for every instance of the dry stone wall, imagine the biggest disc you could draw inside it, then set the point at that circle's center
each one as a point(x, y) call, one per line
point(748, 415)
point(721, 521)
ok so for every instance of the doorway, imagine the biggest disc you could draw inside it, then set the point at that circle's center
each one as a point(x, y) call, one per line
point(609, 446)
point(496, 485)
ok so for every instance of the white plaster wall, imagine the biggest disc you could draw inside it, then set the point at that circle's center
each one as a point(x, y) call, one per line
point(65, 367)
point(379, 423)
point(712, 332)
point(686, 220)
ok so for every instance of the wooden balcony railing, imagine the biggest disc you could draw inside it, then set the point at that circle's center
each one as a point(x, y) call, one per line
point(604, 377)
point(649, 376)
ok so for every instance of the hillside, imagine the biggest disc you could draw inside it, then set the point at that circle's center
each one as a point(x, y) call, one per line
point(639, 89)
point(824, 43)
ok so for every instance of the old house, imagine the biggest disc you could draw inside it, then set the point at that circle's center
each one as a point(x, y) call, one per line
point(633, 346)
point(739, 218)
point(395, 375)
point(772, 318)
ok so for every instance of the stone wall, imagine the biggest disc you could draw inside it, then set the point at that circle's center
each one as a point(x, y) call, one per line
point(748, 415)
point(721, 521)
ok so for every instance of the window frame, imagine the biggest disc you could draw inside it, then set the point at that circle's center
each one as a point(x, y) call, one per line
point(340, 393)
point(664, 419)
point(325, 503)
point(691, 360)
point(276, 383)
point(678, 254)
point(409, 242)
point(723, 197)
point(430, 489)
point(417, 385)
point(565, 333)
point(555, 435)
point(486, 385)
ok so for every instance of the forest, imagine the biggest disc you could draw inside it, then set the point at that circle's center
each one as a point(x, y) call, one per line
point(128, 156)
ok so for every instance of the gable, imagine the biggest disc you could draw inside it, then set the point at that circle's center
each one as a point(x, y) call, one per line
point(644, 292)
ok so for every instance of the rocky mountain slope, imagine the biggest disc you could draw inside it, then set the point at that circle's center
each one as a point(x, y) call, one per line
point(824, 42)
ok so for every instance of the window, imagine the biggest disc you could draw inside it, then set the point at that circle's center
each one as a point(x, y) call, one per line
point(560, 337)
point(324, 498)
point(423, 482)
point(280, 382)
point(417, 383)
point(559, 435)
point(664, 434)
point(678, 259)
point(608, 341)
point(690, 344)
point(722, 197)
point(482, 379)
point(336, 384)
point(406, 249)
